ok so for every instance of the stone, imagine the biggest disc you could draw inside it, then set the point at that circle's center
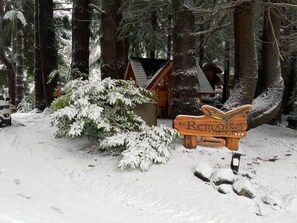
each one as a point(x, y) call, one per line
point(225, 188)
point(223, 176)
point(244, 188)
point(203, 171)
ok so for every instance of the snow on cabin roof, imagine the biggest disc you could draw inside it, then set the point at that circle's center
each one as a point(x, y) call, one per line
point(204, 85)
point(139, 72)
point(149, 82)
point(145, 68)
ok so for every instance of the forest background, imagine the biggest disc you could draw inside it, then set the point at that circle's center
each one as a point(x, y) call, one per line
point(44, 44)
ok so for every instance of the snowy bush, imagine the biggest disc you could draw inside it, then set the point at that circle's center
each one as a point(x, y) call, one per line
point(98, 109)
point(142, 149)
point(104, 110)
point(25, 105)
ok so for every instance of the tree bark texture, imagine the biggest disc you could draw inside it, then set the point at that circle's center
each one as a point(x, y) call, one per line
point(4, 59)
point(48, 48)
point(19, 57)
point(246, 66)
point(112, 43)
point(169, 38)
point(227, 55)
point(268, 103)
point(288, 63)
point(39, 89)
point(80, 38)
point(184, 75)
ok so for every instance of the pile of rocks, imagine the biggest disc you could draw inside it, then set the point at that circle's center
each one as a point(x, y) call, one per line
point(224, 180)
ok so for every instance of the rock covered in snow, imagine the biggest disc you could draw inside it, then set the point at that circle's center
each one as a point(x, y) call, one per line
point(223, 176)
point(243, 187)
point(203, 171)
point(225, 188)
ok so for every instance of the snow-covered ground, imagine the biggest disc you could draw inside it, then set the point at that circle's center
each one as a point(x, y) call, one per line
point(44, 179)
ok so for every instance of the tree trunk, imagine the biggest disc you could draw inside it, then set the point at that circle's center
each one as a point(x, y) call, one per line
point(268, 103)
point(19, 55)
point(184, 75)
point(48, 49)
point(80, 38)
point(112, 44)
point(288, 64)
point(39, 87)
point(201, 47)
point(226, 89)
point(246, 68)
point(5, 59)
point(169, 38)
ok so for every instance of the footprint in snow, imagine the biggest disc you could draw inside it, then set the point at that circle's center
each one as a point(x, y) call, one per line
point(24, 196)
point(17, 181)
point(58, 210)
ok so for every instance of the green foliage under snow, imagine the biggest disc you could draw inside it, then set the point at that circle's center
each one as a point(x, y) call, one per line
point(142, 149)
point(103, 110)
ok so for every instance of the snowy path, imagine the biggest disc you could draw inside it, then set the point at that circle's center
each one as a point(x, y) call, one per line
point(43, 179)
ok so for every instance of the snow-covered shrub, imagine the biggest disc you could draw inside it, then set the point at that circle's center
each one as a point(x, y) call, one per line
point(142, 149)
point(104, 110)
point(98, 109)
point(25, 105)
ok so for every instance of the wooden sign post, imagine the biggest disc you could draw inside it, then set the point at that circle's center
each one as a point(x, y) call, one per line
point(215, 127)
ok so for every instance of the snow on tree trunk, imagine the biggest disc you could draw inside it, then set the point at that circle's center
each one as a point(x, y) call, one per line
point(80, 37)
point(112, 44)
point(5, 59)
point(246, 66)
point(39, 89)
point(19, 56)
point(184, 75)
point(48, 48)
point(268, 103)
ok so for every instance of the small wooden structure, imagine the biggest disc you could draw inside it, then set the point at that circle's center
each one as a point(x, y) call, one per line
point(215, 127)
point(212, 72)
point(155, 75)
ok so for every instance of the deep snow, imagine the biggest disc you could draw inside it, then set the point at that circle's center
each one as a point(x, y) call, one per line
point(44, 179)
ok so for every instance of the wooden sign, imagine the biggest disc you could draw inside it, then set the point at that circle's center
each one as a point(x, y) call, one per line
point(215, 127)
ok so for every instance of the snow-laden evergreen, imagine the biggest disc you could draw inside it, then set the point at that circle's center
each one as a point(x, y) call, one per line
point(104, 110)
point(142, 149)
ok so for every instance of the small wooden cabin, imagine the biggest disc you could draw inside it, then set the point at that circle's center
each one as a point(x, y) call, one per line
point(212, 72)
point(155, 75)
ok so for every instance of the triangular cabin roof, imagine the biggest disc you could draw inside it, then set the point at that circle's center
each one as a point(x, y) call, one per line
point(148, 72)
point(212, 72)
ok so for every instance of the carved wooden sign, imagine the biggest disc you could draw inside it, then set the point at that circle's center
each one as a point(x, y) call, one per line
point(215, 127)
